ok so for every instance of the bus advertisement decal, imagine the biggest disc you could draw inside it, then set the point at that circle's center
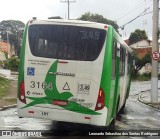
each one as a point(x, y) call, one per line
point(54, 94)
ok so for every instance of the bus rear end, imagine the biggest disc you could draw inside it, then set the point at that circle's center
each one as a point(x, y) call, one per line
point(60, 72)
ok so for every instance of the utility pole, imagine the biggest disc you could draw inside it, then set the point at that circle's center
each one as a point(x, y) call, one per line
point(8, 43)
point(155, 48)
point(68, 2)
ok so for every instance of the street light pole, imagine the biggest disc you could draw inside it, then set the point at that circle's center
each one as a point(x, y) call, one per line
point(68, 9)
point(8, 43)
point(154, 78)
point(68, 2)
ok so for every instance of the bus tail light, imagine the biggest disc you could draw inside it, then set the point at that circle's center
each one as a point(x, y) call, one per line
point(22, 97)
point(100, 100)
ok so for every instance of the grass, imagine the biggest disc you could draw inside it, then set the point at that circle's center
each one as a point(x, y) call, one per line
point(12, 100)
point(4, 86)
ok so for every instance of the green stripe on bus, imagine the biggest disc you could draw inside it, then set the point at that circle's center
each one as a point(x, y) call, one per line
point(107, 68)
point(107, 71)
point(22, 59)
point(116, 87)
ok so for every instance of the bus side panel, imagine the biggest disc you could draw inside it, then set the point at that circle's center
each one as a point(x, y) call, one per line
point(22, 59)
point(124, 83)
point(130, 75)
point(113, 93)
point(107, 71)
point(116, 89)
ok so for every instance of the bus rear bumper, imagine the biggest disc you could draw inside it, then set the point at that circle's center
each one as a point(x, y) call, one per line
point(64, 115)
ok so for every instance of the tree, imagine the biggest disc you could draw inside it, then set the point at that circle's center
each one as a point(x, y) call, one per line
point(137, 35)
point(139, 63)
point(14, 28)
point(98, 18)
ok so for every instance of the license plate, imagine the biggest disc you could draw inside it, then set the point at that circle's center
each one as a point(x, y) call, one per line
point(60, 102)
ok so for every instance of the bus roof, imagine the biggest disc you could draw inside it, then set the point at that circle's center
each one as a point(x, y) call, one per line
point(122, 42)
point(70, 22)
point(82, 23)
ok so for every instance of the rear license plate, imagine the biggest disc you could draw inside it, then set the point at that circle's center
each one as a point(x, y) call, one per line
point(60, 102)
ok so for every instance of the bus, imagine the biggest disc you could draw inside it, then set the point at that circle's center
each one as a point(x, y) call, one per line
point(73, 71)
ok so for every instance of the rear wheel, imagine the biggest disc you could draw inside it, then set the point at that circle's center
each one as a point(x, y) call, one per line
point(112, 124)
point(123, 108)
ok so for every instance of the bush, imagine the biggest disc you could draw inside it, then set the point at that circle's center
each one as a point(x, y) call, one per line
point(143, 77)
point(12, 64)
point(1, 64)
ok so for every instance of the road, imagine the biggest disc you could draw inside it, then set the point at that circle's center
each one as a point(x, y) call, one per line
point(137, 116)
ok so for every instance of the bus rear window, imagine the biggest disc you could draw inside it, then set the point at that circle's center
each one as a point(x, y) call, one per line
point(66, 42)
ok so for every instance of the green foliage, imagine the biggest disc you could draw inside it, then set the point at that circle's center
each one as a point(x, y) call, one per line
point(98, 18)
point(15, 32)
point(4, 85)
point(139, 63)
point(12, 64)
point(144, 77)
point(137, 35)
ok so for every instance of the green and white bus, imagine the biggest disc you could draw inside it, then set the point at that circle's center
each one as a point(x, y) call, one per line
point(73, 71)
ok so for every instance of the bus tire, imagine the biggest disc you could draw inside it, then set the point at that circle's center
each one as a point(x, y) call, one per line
point(122, 110)
point(112, 124)
point(21, 117)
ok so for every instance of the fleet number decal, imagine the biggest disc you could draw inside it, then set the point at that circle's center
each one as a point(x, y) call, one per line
point(40, 85)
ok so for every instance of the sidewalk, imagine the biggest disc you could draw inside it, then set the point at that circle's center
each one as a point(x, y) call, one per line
point(10, 99)
point(145, 97)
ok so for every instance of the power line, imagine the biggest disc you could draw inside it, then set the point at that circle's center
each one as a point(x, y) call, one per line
point(133, 10)
point(147, 13)
point(122, 27)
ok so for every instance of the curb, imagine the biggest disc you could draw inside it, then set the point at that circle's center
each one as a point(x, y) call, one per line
point(7, 107)
point(156, 105)
point(139, 97)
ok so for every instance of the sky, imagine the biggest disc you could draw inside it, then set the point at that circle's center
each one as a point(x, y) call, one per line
point(120, 11)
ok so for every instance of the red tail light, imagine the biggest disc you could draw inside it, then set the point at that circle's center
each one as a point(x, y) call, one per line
point(100, 100)
point(22, 97)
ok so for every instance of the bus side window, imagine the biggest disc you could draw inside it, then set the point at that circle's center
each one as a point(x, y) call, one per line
point(114, 56)
point(122, 61)
point(129, 63)
point(118, 50)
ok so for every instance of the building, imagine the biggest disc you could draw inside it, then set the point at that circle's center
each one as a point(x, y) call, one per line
point(2, 56)
point(5, 47)
point(142, 47)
